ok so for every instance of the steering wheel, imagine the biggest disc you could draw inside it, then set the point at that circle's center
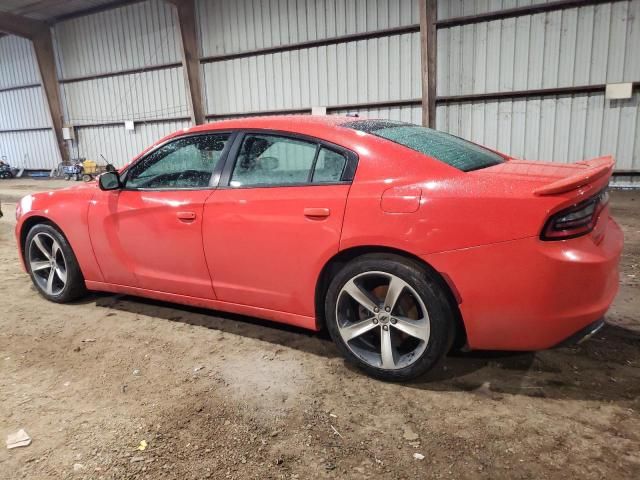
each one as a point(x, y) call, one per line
point(193, 176)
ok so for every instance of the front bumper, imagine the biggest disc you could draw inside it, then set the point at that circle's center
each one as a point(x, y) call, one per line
point(530, 295)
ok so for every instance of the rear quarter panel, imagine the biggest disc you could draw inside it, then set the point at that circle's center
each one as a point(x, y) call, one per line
point(456, 209)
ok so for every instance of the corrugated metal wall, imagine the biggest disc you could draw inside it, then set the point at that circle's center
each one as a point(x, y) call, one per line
point(409, 113)
point(139, 35)
point(594, 44)
point(232, 26)
point(573, 47)
point(119, 146)
point(133, 37)
point(139, 96)
point(26, 139)
point(18, 66)
point(370, 70)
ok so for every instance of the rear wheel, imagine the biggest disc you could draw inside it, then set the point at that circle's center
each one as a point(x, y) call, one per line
point(389, 317)
point(52, 265)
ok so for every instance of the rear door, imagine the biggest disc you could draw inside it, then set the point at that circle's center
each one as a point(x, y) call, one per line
point(149, 234)
point(275, 219)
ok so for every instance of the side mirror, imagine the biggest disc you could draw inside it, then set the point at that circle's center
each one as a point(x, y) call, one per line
point(109, 181)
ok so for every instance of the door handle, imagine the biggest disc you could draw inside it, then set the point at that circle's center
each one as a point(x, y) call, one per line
point(186, 215)
point(317, 212)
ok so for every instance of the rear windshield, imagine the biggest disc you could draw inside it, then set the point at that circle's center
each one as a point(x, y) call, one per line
point(454, 151)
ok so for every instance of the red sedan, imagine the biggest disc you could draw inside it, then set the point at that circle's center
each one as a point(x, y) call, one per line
point(400, 240)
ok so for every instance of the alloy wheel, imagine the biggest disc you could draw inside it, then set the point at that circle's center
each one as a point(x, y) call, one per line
point(382, 320)
point(47, 264)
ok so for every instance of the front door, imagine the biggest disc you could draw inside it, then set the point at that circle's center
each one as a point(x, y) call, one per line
point(275, 219)
point(149, 234)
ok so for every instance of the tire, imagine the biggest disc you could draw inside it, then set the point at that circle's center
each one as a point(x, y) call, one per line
point(67, 283)
point(67, 177)
point(421, 308)
point(77, 177)
point(87, 178)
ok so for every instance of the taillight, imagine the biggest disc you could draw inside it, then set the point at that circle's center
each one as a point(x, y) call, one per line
point(576, 220)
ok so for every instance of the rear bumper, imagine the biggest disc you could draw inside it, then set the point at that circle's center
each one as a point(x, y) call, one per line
point(583, 334)
point(530, 295)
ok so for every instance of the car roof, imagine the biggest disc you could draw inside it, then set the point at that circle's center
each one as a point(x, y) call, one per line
point(324, 127)
point(276, 122)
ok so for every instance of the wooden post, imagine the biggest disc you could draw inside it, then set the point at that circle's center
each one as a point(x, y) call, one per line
point(40, 35)
point(43, 46)
point(428, 52)
point(190, 56)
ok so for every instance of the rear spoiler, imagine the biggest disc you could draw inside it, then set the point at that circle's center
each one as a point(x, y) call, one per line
point(593, 170)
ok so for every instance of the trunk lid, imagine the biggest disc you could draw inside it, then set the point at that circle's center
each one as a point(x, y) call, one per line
point(548, 178)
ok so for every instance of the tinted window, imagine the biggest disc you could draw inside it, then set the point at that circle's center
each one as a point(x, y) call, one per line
point(329, 166)
point(454, 151)
point(184, 163)
point(273, 160)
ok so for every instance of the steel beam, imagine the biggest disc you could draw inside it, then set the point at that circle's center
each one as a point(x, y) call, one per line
point(43, 46)
point(428, 52)
point(20, 26)
point(190, 56)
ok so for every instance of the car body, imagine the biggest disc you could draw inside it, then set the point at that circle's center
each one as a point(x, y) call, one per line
point(270, 247)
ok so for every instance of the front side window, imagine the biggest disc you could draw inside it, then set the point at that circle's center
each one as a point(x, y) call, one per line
point(184, 163)
point(452, 150)
point(273, 160)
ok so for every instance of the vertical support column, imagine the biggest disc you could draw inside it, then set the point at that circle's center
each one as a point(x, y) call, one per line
point(190, 56)
point(428, 52)
point(43, 46)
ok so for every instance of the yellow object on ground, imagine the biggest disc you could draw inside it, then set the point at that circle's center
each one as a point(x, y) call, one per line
point(89, 166)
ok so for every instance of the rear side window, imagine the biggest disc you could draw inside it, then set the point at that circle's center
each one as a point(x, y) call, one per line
point(273, 160)
point(452, 150)
point(329, 166)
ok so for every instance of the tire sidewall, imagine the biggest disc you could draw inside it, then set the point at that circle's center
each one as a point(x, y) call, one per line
point(440, 315)
point(75, 285)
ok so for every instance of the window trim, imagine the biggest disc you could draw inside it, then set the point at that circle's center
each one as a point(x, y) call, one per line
point(214, 179)
point(348, 173)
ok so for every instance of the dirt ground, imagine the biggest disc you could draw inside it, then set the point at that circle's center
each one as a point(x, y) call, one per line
point(223, 396)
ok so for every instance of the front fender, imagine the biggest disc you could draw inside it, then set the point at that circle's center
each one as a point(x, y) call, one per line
point(68, 211)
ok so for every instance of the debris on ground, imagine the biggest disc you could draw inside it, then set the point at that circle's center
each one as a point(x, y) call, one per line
point(418, 456)
point(409, 434)
point(143, 445)
point(485, 389)
point(18, 439)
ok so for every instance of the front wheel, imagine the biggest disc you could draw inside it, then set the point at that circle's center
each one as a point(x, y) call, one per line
point(52, 265)
point(389, 316)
